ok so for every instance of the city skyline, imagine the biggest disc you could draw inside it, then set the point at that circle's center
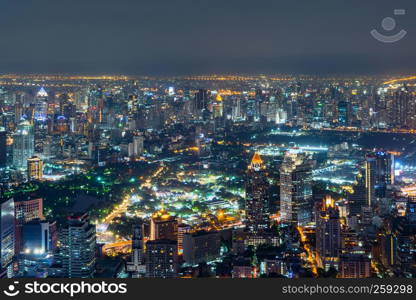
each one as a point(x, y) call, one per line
point(208, 139)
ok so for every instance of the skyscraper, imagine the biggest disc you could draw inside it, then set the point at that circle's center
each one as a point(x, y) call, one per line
point(78, 241)
point(161, 259)
point(26, 210)
point(328, 232)
point(136, 147)
point(257, 198)
point(3, 147)
point(7, 235)
point(354, 266)
point(136, 266)
point(23, 144)
point(370, 179)
point(163, 226)
point(296, 188)
point(34, 168)
point(36, 238)
point(41, 105)
point(384, 173)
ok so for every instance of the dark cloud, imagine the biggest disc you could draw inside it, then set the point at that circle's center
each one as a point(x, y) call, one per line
point(202, 36)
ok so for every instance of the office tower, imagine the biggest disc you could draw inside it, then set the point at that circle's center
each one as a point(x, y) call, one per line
point(34, 168)
point(218, 107)
point(296, 188)
point(370, 180)
point(36, 238)
point(257, 198)
point(41, 105)
point(23, 144)
point(7, 236)
point(136, 148)
point(77, 247)
point(161, 259)
point(401, 108)
point(163, 226)
point(137, 266)
point(26, 210)
point(3, 147)
point(201, 246)
point(328, 232)
point(201, 100)
point(18, 111)
point(182, 230)
point(354, 266)
point(343, 119)
point(384, 173)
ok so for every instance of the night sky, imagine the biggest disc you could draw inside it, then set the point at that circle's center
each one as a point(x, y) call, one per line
point(180, 37)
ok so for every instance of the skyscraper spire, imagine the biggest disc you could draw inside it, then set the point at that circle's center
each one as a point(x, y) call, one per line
point(256, 162)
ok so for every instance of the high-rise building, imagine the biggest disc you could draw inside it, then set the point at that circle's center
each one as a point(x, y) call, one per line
point(34, 168)
point(257, 198)
point(343, 113)
point(23, 144)
point(136, 148)
point(163, 226)
point(137, 266)
point(296, 188)
point(201, 246)
point(384, 173)
point(36, 238)
point(370, 180)
point(7, 236)
point(201, 100)
point(354, 266)
point(182, 230)
point(161, 259)
point(328, 232)
point(26, 210)
point(41, 105)
point(3, 147)
point(77, 247)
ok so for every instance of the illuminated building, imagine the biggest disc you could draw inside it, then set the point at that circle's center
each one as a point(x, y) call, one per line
point(182, 230)
point(77, 247)
point(23, 144)
point(26, 210)
point(36, 238)
point(3, 147)
point(137, 266)
point(201, 246)
point(370, 180)
point(343, 113)
point(136, 148)
point(354, 266)
point(328, 232)
point(41, 105)
point(163, 226)
point(273, 266)
point(257, 198)
point(296, 188)
point(34, 168)
point(244, 268)
point(161, 259)
point(201, 100)
point(7, 236)
point(384, 173)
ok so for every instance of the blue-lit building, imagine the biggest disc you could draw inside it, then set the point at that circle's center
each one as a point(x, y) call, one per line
point(23, 144)
point(7, 236)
